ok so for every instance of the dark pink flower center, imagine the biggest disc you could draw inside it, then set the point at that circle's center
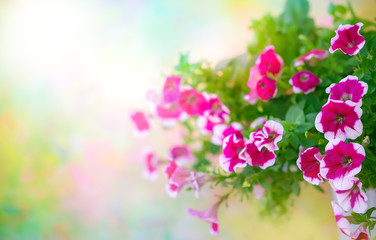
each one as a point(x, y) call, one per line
point(346, 161)
point(272, 136)
point(216, 107)
point(351, 44)
point(339, 118)
point(238, 150)
point(346, 96)
point(191, 99)
point(261, 85)
point(304, 77)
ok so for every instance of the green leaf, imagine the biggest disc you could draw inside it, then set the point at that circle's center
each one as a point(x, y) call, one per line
point(295, 115)
point(303, 127)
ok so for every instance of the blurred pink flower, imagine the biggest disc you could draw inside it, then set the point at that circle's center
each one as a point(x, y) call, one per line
point(171, 89)
point(221, 131)
point(230, 160)
point(209, 215)
point(192, 102)
point(269, 136)
point(347, 39)
point(141, 123)
point(269, 62)
point(353, 198)
point(304, 81)
point(151, 161)
point(342, 222)
point(266, 88)
point(311, 57)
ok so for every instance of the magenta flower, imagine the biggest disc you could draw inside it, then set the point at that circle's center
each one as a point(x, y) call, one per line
point(309, 162)
point(216, 111)
point(269, 62)
point(205, 125)
point(209, 215)
point(311, 57)
point(169, 113)
point(181, 154)
point(192, 102)
point(151, 161)
point(179, 177)
point(171, 89)
point(342, 162)
point(257, 157)
point(221, 131)
point(270, 135)
point(266, 88)
point(347, 39)
point(360, 234)
point(230, 159)
point(342, 222)
point(339, 119)
point(141, 122)
point(254, 77)
point(304, 81)
point(348, 89)
point(353, 198)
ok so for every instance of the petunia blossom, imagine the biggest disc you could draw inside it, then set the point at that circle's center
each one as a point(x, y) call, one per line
point(270, 135)
point(353, 198)
point(304, 81)
point(347, 39)
point(151, 161)
point(179, 177)
point(348, 89)
point(257, 157)
point(343, 224)
point(192, 102)
point(311, 57)
point(141, 123)
point(171, 89)
point(230, 160)
point(254, 77)
point(266, 88)
point(181, 154)
point(339, 119)
point(169, 113)
point(269, 62)
point(341, 162)
point(209, 215)
point(309, 163)
point(221, 131)
point(216, 111)
point(360, 234)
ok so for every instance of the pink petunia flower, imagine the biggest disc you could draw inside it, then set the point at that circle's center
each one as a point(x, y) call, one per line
point(216, 111)
point(311, 57)
point(205, 125)
point(348, 89)
point(341, 162)
point(257, 157)
point(169, 113)
point(353, 198)
point(342, 222)
point(179, 177)
point(151, 161)
point(304, 81)
point(309, 162)
point(347, 39)
point(171, 89)
point(209, 215)
point(141, 122)
point(270, 135)
point(192, 102)
point(221, 131)
point(258, 191)
point(269, 62)
point(181, 154)
point(254, 77)
point(360, 234)
point(266, 88)
point(260, 121)
point(339, 119)
point(230, 160)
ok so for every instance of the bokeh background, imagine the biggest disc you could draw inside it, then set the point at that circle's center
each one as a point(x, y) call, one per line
point(70, 72)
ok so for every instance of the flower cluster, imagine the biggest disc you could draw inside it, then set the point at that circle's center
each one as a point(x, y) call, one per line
point(315, 123)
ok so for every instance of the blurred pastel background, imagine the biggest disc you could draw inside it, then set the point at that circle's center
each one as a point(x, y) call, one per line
point(70, 72)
